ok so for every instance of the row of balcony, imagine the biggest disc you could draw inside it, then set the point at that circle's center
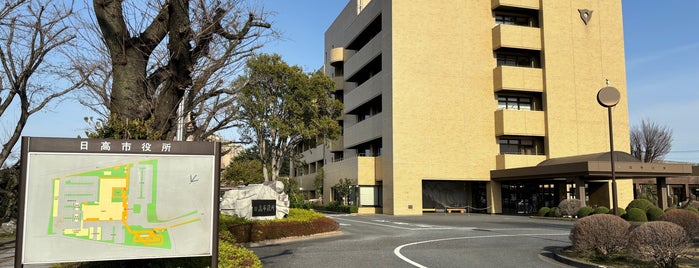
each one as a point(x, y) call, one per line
point(354, 60)
point(529, 4)
point(368, 169)
point(506, 78)
point(519, 81)
point(513, 36)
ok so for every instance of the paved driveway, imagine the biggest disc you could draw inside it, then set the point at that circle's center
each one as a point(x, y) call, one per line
point(431, 240)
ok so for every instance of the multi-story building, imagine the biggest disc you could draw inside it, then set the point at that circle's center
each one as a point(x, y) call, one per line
point(439, 95)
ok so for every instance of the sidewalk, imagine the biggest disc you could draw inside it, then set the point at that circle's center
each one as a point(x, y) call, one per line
point(7, 254)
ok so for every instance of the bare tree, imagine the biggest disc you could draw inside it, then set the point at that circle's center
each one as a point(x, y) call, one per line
point(650, 142)
point(169, 53)
point(31, 35)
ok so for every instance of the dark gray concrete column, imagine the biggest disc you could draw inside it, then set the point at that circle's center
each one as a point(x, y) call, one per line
point(661, 184)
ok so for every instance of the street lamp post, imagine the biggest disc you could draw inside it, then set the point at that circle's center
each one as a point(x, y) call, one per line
point(609, 97)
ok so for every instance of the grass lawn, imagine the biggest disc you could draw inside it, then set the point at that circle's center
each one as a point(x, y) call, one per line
point(6, 237)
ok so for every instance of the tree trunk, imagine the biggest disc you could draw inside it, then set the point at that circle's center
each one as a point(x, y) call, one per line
point(130, 97)
point(262, 151)
point(17, 133)
point(179, 68)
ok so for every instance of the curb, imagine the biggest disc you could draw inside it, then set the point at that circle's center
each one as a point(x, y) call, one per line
point(553, 218)
point(574, 262)
point(7, 242)
point(291, 239)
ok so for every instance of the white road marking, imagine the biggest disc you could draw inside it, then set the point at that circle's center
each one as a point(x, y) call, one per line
point(395, 225)
point(396, 251)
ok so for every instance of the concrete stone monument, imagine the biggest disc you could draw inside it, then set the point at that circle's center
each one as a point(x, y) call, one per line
point(257, 201)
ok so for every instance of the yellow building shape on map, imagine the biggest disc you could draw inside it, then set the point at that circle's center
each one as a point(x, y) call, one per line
point(105, 209)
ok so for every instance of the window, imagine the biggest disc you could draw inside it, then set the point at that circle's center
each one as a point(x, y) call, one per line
point(372, 30)
point(515, 60)
point(515, 103)
point(339, 71)
point(523, 146)
point(367, 72)
point(339, 95)
point(338, 156)
point(367, 110)
point(516, 16)
point(513, 20)
point(370, 196)
point(371, 148)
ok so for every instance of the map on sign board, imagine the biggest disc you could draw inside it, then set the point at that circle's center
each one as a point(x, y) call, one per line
point(114, 205)
point(83, 207)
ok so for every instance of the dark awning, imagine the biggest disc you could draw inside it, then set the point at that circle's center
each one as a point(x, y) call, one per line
point(594, 166)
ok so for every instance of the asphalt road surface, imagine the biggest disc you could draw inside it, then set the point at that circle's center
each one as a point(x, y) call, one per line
point(431, 240)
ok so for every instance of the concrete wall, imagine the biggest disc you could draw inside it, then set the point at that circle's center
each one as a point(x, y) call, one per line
point(578, 60)
point(439, 80)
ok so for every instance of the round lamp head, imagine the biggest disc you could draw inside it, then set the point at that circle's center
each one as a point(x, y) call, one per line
point(608, 96)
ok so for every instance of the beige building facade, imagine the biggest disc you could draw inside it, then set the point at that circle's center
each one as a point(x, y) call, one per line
point(440, 94)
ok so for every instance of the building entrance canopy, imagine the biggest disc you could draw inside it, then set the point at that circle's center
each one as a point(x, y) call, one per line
point(592, 166)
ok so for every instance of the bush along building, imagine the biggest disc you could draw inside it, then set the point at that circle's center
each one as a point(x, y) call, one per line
point(479, 105)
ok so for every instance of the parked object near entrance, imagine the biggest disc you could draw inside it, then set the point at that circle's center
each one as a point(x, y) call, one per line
point(257, 201)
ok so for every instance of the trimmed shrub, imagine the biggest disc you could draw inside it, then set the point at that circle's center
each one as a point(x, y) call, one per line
point(601, 210)
point(336, 207)
point(684, 218)
point(600, 235)
point(299, 222)
point(584, 212)
point(643, 204)
point(693, 210)
point(542, 211)
point(553, 212)
point(569, 207)
point(636, 214)
point(663, 242)
point(620, 212)
point(232, 256)
point(654, 213)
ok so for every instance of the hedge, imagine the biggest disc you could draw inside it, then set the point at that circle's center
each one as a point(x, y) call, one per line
point(636, 214)
point(299, 223)
point(601, 210)
point(585, 211)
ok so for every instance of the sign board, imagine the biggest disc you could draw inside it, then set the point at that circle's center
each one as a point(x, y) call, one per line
point(264, 207)
point(100, 199)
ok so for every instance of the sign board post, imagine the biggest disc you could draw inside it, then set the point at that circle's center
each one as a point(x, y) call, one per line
point(103, 199)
